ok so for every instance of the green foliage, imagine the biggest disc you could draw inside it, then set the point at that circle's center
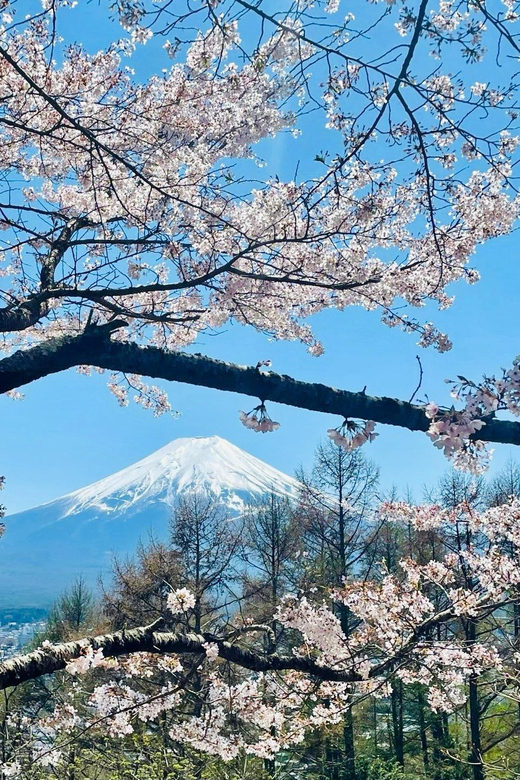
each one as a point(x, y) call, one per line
point(380, 769)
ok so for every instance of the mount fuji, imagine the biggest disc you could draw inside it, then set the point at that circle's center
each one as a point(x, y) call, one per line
point(45, 548)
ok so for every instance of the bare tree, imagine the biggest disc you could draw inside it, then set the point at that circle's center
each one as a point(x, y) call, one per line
point(335, 504)
point(272, 544)
point(140, 585)
point(207, 542)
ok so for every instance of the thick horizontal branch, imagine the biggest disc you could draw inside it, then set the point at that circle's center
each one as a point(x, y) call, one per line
point(95, 348)
point(54, 658)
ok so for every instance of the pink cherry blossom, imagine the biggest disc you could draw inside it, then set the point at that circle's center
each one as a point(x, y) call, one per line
point(258, 420)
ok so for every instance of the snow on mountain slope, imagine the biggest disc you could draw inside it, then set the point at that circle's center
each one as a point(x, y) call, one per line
point(46, 547)
point(206, 464)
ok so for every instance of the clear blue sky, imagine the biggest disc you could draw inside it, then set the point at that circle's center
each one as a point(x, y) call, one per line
point(69, 431)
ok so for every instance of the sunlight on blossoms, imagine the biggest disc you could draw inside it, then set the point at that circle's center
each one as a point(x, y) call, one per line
point(180, 600)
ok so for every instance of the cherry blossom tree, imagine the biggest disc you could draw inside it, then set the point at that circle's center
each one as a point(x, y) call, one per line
point(278, 696)
point(134, 220)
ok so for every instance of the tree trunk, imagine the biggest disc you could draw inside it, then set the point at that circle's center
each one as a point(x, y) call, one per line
point(71, 774)
point(422, 730)
point(516, 628)
point(349, 763)
point(397, 721)
point(332, 764)
point(441, 742)
point(475, 755)
point(475, 752)
point(375, 725)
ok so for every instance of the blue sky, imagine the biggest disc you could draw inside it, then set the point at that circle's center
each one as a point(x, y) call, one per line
point(69, 431)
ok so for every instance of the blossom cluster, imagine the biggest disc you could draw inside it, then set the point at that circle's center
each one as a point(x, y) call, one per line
point(451, 429)
point(180, 601)
point(451, 432)
point(351, 434)
point(258, 420)
point(90, 659)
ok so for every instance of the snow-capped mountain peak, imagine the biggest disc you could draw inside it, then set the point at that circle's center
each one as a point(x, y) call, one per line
point(207, 464)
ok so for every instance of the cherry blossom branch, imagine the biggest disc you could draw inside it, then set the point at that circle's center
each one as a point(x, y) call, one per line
point(95, 348)
point(90, 136)
point(54, 658)
point(22, 315)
